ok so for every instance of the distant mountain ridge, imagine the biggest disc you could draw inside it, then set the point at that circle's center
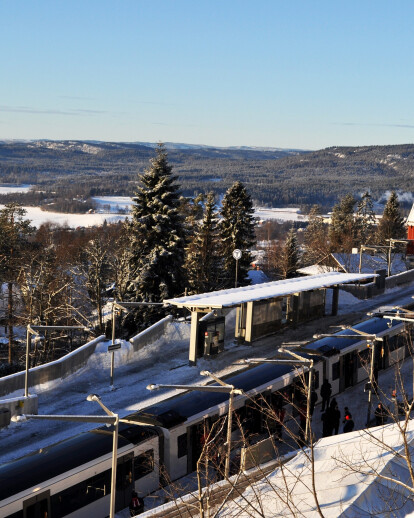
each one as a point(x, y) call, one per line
point(273, 176)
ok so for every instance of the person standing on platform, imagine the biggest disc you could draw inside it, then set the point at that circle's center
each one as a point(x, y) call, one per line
point(313, 400)
point(349, 423)
point(336, 416)
point(326, 391)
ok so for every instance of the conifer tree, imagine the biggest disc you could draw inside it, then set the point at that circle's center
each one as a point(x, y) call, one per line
point(157, 239)
point(316, 239)
point(365, 219)
point(14, 233)
point(237, 232)
point(290, 255)
point(202, 264)
point(391, 225)
point(342, 232)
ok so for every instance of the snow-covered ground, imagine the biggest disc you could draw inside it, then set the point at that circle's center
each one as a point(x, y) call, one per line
point(8, 189)
point(282, 215)
point(113, 202)
point(38, 217)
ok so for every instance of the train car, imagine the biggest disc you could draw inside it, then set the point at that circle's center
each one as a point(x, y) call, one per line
point(344, 363)
point(73, 478)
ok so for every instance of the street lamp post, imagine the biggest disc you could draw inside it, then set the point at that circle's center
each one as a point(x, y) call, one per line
point(224, 388)
point(237, 255)
point(115, 418)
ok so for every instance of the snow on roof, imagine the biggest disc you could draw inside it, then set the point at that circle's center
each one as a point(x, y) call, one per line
point(267, 290)
point(370, 263)
point(257, 276)
point(315, 269)
point(349, 470)
point(410, 219)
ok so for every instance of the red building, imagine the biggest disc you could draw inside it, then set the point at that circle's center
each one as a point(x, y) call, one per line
point(410, 235)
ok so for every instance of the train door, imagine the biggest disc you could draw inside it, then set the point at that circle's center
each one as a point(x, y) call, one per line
point(124, 481)
point(197, 437)
point(38, 506)
point(348, 370)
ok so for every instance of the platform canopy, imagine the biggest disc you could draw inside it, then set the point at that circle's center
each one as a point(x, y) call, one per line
point(268, 290)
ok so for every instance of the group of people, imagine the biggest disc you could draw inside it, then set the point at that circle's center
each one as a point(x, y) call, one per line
point(331, 416)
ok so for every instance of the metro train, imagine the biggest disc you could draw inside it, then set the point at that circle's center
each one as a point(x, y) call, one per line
point(72, 478)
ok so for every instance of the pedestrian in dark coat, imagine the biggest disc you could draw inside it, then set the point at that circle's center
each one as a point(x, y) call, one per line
point(327, 422)
point(346, 412)
point(336, 417)
point(349, 423)
point(313, 400)
point(326, 391)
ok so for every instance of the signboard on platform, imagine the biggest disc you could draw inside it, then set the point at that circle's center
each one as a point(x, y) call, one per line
point(114, 347)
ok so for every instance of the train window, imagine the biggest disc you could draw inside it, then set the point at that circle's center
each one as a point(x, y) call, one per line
point(182, 445)
point(335, 371)
point(79, 495)
point(19, 514)
point(143, 464)
point(395, 342)
point(364, 357)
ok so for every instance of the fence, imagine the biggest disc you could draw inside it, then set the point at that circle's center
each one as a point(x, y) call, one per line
point(151, 334)
point(57, 369)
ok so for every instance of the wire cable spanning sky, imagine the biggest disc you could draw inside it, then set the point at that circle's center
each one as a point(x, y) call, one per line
point(294, 74)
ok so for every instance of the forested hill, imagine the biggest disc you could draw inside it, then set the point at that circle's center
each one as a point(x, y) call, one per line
point(272, 176)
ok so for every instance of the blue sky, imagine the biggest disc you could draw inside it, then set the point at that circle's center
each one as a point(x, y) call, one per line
point(290, 74)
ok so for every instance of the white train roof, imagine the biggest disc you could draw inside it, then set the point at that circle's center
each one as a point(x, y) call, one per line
point(268, 290)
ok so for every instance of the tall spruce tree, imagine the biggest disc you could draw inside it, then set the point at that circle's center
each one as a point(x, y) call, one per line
point(14, 244)
point(202, 263)
point(157, 239)
point(365, 219)
point(316, 239)
point(391, 225)
point(290, 255)
point(342, 232)
point(237, 231)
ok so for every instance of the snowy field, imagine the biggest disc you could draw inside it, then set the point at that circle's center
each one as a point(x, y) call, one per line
point(114, 203)
point(38, 217)
point(108, 207)
point(282, 215)
point(7, 189)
